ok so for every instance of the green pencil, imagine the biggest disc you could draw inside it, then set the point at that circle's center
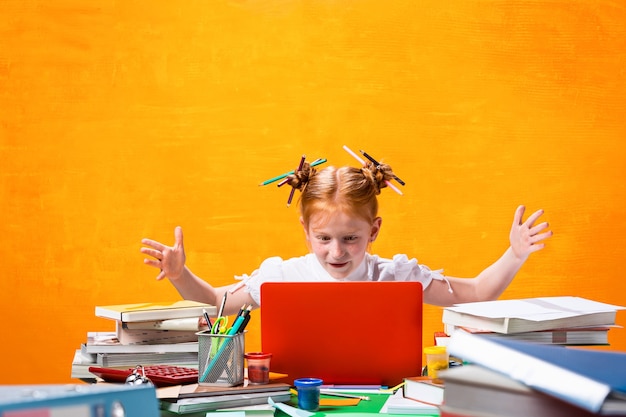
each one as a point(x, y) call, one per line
point(280, 177)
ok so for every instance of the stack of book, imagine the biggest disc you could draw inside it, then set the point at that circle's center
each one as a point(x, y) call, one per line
point(546, 320)
point(145, 334)
point(194, 399)
point(514, 378)
point(418, 396)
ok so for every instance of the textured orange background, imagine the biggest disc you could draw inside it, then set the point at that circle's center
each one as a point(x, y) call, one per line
point(121, 120)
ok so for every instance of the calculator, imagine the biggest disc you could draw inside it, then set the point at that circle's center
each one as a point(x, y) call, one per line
point(160, 375)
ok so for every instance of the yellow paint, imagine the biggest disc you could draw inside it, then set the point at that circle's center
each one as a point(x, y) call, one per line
point(121, 120)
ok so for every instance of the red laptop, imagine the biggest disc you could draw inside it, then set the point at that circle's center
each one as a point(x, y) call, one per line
point(343, 332)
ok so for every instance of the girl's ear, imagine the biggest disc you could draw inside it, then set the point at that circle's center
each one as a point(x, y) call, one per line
point(378, 221)
point(306, 232)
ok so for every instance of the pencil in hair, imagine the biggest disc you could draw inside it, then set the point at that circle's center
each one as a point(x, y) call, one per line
point(373, 161)
point(293, 190)
point(315, 163)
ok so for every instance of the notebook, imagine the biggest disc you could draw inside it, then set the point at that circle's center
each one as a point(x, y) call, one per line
point(346, 333)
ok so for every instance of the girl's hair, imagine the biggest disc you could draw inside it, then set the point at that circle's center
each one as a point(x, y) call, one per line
point(347, 189)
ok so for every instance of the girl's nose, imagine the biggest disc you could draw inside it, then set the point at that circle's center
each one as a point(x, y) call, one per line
point(336, 250)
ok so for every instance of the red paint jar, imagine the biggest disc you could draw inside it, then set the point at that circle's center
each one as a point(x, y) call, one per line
point(258, 364)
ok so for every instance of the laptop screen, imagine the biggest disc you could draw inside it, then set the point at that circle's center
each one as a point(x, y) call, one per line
point(343, 332)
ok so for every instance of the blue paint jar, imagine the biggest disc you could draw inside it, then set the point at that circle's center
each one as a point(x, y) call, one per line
point(308, 393)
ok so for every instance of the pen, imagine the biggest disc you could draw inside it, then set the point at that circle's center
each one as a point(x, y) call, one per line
point(317, 162)
point(373, 161)
point(221, 311)
point(207, 318)
point(293, 190)
point(246, 319)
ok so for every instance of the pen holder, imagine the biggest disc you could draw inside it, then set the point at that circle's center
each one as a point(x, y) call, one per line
point(220, 359)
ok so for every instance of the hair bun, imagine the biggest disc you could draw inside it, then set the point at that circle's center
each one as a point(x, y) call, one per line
point(300, 178)
point(379, 174)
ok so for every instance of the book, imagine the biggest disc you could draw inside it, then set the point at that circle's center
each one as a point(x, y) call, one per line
point(589, 379)
point(183, 324)
point(530, 314)
point(573, 336)
point(77, 400)
point(107, 342)
point(397, 403)
point(154, 311)
point(257, 410)
point(216, 402)
point(473, 390)
point(80, 367)
point(128, 336)
point(424, 389)
point(196, 390)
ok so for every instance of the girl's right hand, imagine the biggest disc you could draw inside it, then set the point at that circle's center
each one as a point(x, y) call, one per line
point(169, 259)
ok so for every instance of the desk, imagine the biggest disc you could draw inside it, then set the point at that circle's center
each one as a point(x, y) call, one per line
point(371, 407)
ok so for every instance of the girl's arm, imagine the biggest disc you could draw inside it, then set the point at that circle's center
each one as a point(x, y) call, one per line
point(170, 260)
point(525, 238)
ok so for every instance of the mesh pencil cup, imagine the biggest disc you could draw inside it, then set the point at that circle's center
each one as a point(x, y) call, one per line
point(220, 359)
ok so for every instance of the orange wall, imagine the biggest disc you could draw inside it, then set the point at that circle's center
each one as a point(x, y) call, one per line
point(121, 120)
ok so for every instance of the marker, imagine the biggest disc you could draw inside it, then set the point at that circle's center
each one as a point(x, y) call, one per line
point(207, 318)
point(246, 319)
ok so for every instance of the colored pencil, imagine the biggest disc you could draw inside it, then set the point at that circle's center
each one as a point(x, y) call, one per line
point(293, 190)
point(373, 161)
point(317, 162)
point(358, 158)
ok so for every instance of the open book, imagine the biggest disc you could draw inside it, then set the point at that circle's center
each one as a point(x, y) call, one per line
point(154, 311)
point(530, 314)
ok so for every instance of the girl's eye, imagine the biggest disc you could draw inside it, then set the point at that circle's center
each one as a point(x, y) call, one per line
point(351, 238)
point(323, 238)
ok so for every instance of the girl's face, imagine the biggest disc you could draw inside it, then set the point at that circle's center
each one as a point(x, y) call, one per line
point(340, 241)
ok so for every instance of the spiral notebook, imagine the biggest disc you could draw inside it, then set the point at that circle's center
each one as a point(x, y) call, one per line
point(346, 333)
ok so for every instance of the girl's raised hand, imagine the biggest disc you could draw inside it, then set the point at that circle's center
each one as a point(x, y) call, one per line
point(526, 237)
point(169, 259)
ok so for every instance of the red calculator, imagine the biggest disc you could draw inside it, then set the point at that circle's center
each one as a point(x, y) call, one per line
point(160, 375)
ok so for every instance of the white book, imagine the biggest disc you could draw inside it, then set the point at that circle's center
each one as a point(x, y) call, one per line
point(530, 314)
point(398, 404)
point(107, 342)
point(154, 311)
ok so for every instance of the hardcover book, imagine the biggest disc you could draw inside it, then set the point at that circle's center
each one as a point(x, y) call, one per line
point(589, 379)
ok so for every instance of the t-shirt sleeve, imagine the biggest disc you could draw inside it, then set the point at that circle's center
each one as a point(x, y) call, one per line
point(271, 270)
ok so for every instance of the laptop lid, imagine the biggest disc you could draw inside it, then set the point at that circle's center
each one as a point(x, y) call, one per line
point(343, 332)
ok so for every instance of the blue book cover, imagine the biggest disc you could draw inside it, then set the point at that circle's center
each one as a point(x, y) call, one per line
point(606, 367)
point(79, 400)
point(591, 379)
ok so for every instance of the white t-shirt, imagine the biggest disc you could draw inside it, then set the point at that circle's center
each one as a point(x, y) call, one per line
point(308, 269)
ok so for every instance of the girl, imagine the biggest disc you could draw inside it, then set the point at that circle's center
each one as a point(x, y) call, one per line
point(339, 214)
